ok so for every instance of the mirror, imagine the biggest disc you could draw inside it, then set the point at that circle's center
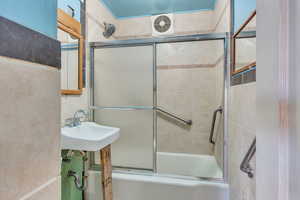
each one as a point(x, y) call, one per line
point(244, 47)
point(69, 34)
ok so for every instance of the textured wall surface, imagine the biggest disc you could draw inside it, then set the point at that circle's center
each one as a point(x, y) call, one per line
point(242, 131)
point(188, 86)
point(29, 130)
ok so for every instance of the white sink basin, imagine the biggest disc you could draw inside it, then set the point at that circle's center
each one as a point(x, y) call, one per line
point(88, 136)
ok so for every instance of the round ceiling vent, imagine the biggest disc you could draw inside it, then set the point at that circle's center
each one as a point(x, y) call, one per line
point(162, 23)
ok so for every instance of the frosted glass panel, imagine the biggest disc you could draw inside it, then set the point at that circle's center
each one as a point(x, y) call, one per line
point(124, 76)
point(190, 78)
point(135, 146)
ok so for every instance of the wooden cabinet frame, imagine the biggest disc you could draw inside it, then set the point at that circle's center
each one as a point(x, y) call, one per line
point(71, 26)
point(235, 37)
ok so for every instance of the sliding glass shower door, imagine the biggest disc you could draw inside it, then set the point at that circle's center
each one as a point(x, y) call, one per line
point(123, 97)
point(163, 94)
point(190, 83)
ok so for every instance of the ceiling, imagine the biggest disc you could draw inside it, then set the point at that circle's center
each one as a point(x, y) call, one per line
point(137, 8)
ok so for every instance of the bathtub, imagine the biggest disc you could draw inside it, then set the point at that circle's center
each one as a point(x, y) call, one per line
point(204, 166)
point(155, 187)
point(166, 187)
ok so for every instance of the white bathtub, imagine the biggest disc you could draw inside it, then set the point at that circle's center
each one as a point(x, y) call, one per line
point(143, 187)
point(204, 166)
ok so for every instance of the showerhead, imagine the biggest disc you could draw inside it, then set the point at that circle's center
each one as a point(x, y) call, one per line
point(109, 30)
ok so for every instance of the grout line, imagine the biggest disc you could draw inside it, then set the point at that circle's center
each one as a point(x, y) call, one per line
point(221, 16)
point(40, 188)
point(190, 66)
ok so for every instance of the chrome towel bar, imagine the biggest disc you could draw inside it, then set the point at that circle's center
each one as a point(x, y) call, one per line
point(245, 165)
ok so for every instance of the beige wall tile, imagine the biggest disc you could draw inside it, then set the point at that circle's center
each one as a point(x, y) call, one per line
point(48, 191)
point(221, 16)
point(242, 130)
point(30, 126)
point(193, 93)
point(139, 27)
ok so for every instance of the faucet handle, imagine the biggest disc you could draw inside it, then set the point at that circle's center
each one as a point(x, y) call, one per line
point(85, 115)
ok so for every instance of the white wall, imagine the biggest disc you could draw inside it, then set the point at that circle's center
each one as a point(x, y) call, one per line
point(278, 100)
point(272, 100)
point(294, 116)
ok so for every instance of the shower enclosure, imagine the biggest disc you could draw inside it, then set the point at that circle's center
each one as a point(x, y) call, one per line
point(162, 93)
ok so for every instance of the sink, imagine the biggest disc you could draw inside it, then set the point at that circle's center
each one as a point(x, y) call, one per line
point(88, 136)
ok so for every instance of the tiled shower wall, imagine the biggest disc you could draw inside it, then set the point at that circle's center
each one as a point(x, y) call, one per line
point(242, 131)
point(188, 86)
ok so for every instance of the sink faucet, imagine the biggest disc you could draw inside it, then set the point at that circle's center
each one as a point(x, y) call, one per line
point(76, 120)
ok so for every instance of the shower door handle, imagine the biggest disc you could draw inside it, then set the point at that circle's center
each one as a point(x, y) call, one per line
point(212, 130)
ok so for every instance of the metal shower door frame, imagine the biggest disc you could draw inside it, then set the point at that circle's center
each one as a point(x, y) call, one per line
point(153, 42)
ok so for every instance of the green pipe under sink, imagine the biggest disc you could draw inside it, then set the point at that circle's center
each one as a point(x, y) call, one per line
point(74, 163)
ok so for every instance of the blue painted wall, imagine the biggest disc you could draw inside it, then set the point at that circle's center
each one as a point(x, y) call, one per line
point(75, 4)
point(137, 8)
point(39, 15)
point(242, 10)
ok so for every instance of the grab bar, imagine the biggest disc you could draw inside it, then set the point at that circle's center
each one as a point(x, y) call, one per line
point(188, 122)
point(245, 165)
point(212, 130)
point(129, 108)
